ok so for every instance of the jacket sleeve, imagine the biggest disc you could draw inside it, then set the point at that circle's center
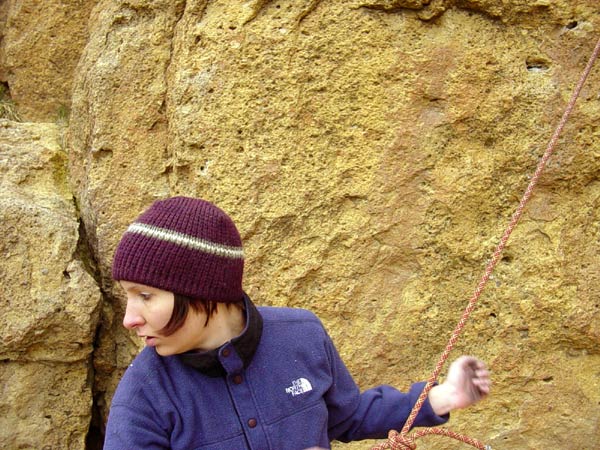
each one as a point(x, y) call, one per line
point(127, 429)
point(140, 416)
point(371, 414)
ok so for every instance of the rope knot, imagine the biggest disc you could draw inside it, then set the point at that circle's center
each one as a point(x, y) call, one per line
point(401, 441)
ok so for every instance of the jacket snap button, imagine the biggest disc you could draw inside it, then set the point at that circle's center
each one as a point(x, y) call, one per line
point(252, 423)
point(226, 352)
point(237, 379)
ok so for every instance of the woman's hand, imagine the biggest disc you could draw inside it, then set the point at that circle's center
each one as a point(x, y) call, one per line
point(468, 381)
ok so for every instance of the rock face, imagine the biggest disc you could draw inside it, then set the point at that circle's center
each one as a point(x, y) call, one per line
point(371, 153)
point(40, 47)
point(49, 304)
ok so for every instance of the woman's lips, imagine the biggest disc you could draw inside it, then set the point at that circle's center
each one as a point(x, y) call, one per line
point(150, 340)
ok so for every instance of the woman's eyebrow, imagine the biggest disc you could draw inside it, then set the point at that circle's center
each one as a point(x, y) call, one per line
point(138, 288)
point(130, 287)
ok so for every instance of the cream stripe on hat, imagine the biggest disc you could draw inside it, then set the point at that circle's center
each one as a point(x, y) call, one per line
point(185, 240)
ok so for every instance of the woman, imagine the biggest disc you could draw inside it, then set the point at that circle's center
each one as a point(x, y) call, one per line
point(218, 373)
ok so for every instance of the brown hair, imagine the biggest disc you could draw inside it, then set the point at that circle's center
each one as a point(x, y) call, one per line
point(181, 309)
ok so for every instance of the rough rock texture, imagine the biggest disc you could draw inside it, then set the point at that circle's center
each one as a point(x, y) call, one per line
point(371, 159)
point(372, 153)
point(49, 304)
point(39, 49)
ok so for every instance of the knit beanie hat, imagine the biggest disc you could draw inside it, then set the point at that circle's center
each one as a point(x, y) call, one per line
point(183, 245)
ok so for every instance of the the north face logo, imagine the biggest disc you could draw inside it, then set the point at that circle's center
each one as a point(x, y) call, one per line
point(299, 386)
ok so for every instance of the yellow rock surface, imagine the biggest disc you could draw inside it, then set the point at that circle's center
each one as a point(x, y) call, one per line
point(40, 47)
point(49, 304)
point(371, 153)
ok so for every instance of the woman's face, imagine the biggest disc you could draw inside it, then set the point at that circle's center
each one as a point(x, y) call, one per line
point(149, 310)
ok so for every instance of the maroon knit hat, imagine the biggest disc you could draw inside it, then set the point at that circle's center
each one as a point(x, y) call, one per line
point(183, 245)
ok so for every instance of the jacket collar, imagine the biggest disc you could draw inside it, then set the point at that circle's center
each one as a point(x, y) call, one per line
point(245, 345)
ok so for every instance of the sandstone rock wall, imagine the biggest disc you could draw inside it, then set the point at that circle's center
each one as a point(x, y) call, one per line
point(372, 153)
point(49, 304)
point(40, 47)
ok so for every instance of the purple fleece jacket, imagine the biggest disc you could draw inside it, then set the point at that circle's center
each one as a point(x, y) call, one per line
point(293, 393)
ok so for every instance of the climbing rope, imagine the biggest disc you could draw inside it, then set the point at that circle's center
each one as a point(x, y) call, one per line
point(401, 441)
point(404, 441)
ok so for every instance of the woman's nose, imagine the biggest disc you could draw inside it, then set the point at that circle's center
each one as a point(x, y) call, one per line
point(132, 318)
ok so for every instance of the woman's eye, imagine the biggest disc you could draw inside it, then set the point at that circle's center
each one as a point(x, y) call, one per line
point(145, 296)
